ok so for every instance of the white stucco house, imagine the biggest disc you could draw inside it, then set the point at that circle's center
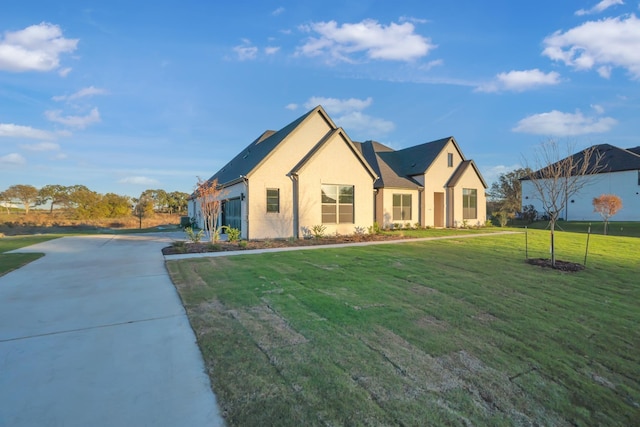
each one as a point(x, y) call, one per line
point(311, 173)
point(619, 174)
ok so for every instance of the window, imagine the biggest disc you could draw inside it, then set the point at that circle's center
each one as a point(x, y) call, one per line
point(469, 203)
point(337, 204)
point(450, 160)
point(273, 200)
point(402, 207)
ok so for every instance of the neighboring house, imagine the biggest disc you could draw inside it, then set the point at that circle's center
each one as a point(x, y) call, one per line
point(619, 174)
point(310, 173)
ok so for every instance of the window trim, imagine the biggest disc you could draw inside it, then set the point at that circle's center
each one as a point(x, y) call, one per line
point(277, 204)
point(466, 205)
point(337, 204)
point(402, 207)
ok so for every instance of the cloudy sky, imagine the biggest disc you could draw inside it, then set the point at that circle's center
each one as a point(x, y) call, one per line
point(122, 96)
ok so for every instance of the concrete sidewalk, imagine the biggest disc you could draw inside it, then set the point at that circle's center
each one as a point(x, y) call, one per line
point(94, 334)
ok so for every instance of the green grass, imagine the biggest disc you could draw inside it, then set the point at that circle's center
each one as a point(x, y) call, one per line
point(450, 332)
point(615, 228)
point(10, 262)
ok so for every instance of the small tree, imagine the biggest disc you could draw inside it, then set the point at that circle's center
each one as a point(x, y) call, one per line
point(607, 205)
point(558, 178)
point(210, 196)
point(143, 208)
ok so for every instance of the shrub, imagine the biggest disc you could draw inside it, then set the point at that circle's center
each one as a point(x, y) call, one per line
point(318, 231)
point(242, 244)
point(375, 228)
point(529, 213)
point(359, 231)
point(213, 247)
point(233, 234)
point(193, 236)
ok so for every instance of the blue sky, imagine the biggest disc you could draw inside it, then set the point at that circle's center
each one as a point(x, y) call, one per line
point(123, 96)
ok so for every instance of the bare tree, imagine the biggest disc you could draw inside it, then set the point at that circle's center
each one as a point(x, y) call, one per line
point(210, 196)
point(558, 178)
point(607, 205)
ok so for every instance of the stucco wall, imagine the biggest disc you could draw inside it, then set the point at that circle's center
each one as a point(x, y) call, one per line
point(435, 181)
point(622, 184)
point(385, 217)
point(336, 164)
point(273, 173)
point(469, 180)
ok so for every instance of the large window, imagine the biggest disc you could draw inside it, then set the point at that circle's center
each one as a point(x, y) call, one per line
point(337, 204)
point(402, 207)
point(469, 203)
point(273, 200)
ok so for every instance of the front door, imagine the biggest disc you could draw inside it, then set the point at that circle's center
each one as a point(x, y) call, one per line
point(438, 209)
point(232, 213)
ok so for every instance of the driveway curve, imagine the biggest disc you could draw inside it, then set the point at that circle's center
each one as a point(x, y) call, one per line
point(94, 333)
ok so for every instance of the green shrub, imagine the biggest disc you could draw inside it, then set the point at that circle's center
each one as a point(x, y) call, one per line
point(193, 236)
point(242, 244)
point(233, 234)
point(375, 228)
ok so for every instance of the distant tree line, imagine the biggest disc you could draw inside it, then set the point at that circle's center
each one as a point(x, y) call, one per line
point(83, 203)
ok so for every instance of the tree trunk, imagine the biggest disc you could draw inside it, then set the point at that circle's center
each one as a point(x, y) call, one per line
point(552, 226)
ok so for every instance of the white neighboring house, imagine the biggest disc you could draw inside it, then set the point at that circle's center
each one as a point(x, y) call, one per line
point(620, 175)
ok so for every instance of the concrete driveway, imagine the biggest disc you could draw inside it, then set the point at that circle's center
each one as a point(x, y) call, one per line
point(94, 334)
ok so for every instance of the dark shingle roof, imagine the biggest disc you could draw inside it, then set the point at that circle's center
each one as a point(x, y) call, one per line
point(387, 177)
point(611, 159)
point(635, 150)
point(255, 152)
point(414, 160)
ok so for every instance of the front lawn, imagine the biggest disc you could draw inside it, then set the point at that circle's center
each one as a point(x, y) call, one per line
point(10, 262)
point(449, 332)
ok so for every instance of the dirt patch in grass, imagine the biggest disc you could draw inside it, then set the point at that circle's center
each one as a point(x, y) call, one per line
point(267, 328)
point(570, 267)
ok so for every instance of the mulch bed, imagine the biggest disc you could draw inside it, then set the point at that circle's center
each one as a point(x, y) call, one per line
point(202, 247)
point(571, 267)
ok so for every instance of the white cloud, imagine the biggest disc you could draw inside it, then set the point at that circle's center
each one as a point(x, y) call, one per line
point(557, 123)
point(139, 180)
point(492, 173)
point(12, 159)
point(395, 42)
point(278, 11)
point(82, 93)
point(41, 146)
point(519, 81)
point(600, 7)
point(611, 42)
point(362, 123)
point(16, 131)
point(270, 50)
point(246, 50)
point(79, 122)
point(348, 114)
point(64, 72)
point(291, 106)
point(35, 48)
point(339, 106)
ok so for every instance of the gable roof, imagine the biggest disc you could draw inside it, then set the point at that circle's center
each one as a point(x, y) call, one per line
point(387, 177)
point(635, 150)
point(612, 159)
point(460, 171)
point(355, 149)
point(417, 159)
point(256, 152)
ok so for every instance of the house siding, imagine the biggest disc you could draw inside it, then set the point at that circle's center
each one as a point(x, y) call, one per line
point(623, 184)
